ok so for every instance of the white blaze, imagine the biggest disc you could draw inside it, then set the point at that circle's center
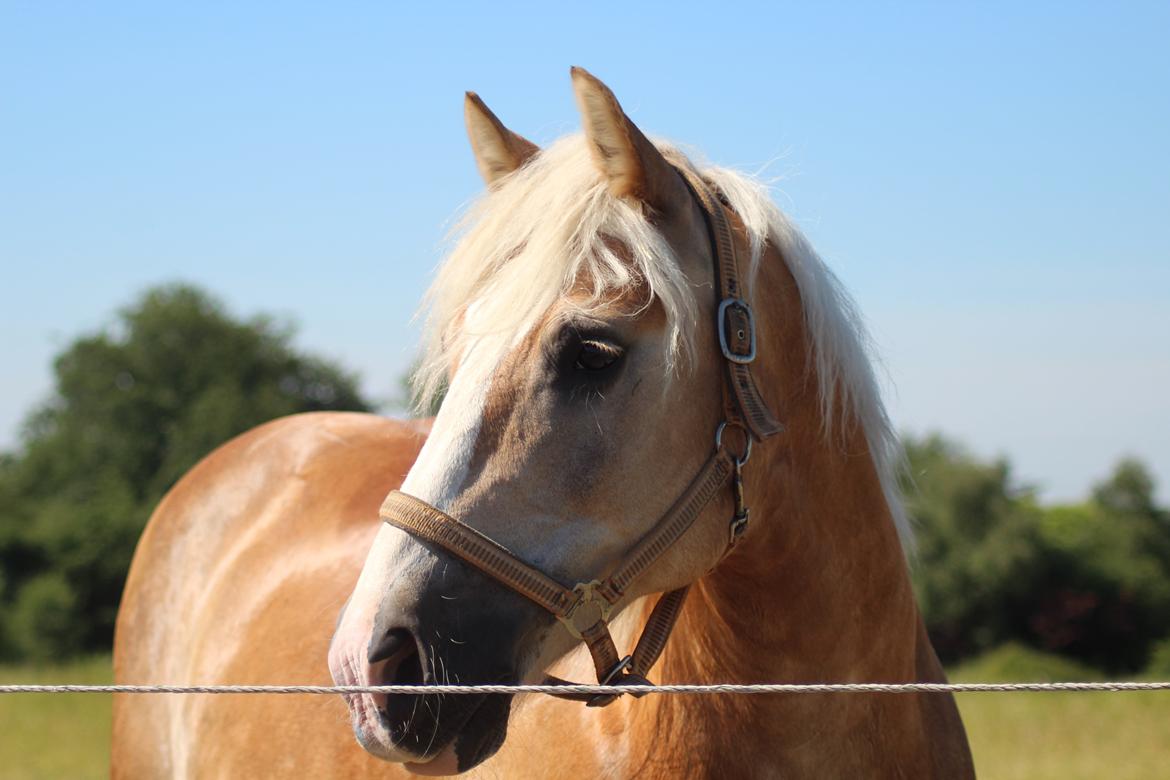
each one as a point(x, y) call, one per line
point(436, 477)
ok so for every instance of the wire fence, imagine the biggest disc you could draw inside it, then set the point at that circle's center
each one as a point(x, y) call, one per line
point(774, 688)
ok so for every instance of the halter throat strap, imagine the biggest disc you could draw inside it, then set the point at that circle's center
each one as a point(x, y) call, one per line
point(584, 609)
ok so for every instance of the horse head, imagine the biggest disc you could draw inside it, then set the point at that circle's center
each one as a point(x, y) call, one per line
point(581, 331)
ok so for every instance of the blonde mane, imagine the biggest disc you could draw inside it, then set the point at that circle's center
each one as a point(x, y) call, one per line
point(552, 224)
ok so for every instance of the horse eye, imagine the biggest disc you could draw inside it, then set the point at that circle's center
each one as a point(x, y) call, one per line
point(596, 356)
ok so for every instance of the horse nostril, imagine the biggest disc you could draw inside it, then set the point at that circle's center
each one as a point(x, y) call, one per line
point(394, 660)
point(390, 644)
point(403, 668)
point(408, 670)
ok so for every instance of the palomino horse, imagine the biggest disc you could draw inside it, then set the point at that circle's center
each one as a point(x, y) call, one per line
point(594, 327)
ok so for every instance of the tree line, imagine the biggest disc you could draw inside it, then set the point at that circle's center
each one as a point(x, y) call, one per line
point(138, 403)
point(1090, 580)
point(135, 406)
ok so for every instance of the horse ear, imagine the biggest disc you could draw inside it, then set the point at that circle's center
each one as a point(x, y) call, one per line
point(630, 163)
point(498, 151)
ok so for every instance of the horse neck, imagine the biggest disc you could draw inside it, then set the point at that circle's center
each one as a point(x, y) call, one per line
point(818, 590)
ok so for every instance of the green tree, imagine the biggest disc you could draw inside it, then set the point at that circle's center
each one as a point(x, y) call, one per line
point(1129, 490)
point(1090, 581)
point(1106, 598)
point(135, 406)
point(978, 546)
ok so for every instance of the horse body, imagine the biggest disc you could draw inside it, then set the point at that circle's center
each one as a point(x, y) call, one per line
point(553, 441)
point(247, 562)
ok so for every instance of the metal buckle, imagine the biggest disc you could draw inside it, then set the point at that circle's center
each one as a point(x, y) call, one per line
point(587, 611)
point(724, 343)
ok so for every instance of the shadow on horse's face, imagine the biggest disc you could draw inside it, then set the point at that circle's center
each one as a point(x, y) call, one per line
point(564, 441)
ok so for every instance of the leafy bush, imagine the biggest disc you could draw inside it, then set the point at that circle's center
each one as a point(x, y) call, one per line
point(1090, 581)
point(42, 618)
point(978, 549)
point(1105, 597)
point(1159, 666)
point(135, 406)
point(1014, 662)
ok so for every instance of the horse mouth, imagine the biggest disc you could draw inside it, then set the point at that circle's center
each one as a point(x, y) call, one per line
point(469, 728)
point(460, 739)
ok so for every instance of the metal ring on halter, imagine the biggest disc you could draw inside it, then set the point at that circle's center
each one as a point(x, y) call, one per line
point(747, 437)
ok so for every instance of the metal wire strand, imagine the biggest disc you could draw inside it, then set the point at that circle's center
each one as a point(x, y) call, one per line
point(598, 689)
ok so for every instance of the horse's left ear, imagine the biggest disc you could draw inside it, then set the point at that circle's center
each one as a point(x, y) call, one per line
point(631, 165)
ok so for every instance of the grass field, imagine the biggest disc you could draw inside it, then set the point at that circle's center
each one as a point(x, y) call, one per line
point(1044, 736)
point(55, 736)
point(1014, 736)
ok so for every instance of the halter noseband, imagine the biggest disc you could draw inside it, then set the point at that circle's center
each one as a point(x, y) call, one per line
point(584, 609)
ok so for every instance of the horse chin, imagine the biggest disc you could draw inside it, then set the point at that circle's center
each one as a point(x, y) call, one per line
point(481, 736)
point(442, 765)
point(471, 748)
point(467, 744)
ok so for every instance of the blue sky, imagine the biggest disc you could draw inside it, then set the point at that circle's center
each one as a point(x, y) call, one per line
point(992, 182)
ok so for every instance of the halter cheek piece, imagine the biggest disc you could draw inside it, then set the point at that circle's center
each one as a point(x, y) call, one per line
point(584, 609)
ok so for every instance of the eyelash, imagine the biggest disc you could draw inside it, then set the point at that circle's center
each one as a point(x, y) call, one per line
point(609, 353)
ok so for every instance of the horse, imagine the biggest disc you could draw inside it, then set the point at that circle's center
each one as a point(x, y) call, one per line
point(645, 366)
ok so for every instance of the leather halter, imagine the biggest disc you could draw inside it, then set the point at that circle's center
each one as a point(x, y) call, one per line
point(584, 609)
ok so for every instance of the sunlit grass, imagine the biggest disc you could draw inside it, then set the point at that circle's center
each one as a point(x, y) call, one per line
point(1039, 736)
point(1069, 735)
point(58, 735)
point(1013, 735)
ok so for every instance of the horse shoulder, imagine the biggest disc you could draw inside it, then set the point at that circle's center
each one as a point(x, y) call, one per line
point(238, 578)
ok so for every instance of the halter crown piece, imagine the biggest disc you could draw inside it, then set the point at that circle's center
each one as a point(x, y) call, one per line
point(584, 609)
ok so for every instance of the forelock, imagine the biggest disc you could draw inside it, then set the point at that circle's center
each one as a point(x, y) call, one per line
point(549, 231)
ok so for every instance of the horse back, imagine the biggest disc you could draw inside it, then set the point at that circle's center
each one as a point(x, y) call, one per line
point(238, 579)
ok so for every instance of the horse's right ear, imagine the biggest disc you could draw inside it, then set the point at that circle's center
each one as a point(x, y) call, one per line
point(498, 151)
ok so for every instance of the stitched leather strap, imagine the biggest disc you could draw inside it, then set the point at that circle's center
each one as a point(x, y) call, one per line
point(736, 323)
point(657, 630)
point(671, 527)
point(425, 522)
point(428, 523)
point(650, 646)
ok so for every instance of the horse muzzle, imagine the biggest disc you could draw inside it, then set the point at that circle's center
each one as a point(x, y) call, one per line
point(449, 626)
